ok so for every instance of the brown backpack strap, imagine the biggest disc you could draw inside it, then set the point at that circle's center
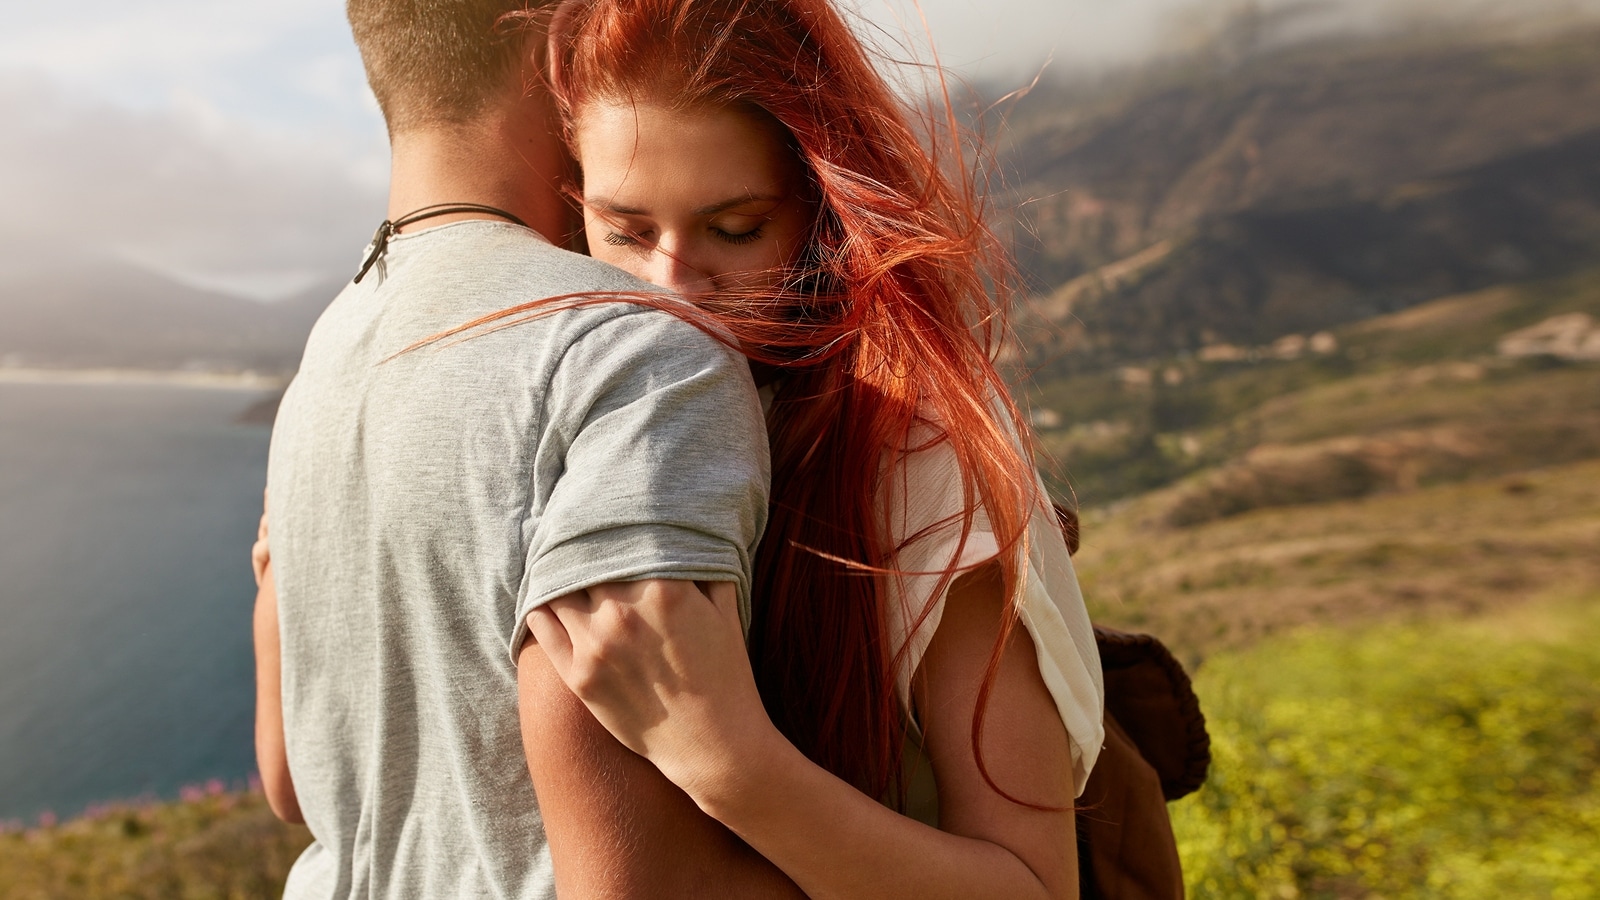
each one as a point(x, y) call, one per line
point(1068, 517)
point(1156, 750)
point(1126, 848)
point(1150, 694)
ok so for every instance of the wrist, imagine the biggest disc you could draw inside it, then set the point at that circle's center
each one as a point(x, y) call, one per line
point(748, 776)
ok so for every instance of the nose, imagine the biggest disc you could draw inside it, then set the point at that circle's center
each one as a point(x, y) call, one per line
point(670, 268)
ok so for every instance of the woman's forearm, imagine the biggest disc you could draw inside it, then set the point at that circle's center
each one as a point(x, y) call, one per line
point(836, 842)
point(666, 674)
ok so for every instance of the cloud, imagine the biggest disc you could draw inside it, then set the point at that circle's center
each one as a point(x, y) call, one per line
point(91, 40)
point(199, 197)
point(1008, 39)
point(1290, 20)
point(233, 146)
point(287, 66)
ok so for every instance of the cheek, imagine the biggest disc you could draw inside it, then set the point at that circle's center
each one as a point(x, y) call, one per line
point(758, 271)
point(791, 236)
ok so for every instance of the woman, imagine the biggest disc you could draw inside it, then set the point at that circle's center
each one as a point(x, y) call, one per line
point(746, 154)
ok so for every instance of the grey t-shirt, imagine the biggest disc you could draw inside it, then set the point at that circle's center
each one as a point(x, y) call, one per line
point(423, 503)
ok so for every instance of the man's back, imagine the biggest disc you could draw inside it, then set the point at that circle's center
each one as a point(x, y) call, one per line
point(423, 503)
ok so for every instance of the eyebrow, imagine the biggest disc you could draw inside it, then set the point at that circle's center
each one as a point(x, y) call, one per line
point(713, 209)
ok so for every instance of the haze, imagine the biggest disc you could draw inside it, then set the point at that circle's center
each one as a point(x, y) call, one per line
point(235, 146)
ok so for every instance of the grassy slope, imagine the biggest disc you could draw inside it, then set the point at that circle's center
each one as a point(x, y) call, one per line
point(1449, 759)
point(1382, 567)
point(1411, 474)
point(1449, 550)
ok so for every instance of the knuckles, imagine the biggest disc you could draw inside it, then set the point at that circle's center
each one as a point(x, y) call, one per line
point(625, 641)
point(611, 646)
point(586, 678)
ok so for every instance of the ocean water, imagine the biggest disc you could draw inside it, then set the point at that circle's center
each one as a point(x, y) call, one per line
point(126, 517)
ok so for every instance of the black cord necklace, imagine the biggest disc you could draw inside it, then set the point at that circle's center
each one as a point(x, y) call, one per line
point(380, 239)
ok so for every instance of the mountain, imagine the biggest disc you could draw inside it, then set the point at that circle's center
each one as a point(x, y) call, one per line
point(1225, 200)
point(1301, 188)
point(106, 313)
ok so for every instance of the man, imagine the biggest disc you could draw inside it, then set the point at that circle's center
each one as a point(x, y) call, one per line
point(425, 499)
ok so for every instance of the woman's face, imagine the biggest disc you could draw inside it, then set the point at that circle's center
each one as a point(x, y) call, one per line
point(692, 200)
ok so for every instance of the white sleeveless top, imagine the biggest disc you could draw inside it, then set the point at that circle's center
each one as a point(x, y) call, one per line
point(926, 501)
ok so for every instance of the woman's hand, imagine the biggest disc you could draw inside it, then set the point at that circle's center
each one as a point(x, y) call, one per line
point(260, 555)
point(662, 665)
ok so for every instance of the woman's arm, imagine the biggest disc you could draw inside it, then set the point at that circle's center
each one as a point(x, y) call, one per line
point(271, 757)
point(1026, 749)
point(684, 704)
point(616, 826)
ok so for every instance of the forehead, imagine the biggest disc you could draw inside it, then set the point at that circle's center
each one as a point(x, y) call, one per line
point(627, 147)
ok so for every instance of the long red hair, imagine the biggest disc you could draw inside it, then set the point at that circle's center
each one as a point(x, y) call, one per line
point(890, 320)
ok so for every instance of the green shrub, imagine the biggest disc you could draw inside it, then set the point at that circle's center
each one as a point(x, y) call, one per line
point(211, 845)
point(1451, 761)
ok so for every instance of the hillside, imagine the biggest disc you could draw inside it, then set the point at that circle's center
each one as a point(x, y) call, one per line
point(1453, 757)
point(1436, 393)
point(100, 313)
point(1301, 189)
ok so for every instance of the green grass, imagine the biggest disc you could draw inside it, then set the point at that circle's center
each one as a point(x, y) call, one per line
point(1450, 760)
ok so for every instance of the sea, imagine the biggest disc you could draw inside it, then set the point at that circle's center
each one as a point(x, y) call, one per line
point(126, 517)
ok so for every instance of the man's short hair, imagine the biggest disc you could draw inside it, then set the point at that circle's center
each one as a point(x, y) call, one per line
point(435, 62)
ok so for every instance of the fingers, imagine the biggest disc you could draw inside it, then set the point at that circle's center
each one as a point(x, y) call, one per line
point(551, 635)
point(260, 553)
point(259, 558)
point(723, 594)
point(724, 597)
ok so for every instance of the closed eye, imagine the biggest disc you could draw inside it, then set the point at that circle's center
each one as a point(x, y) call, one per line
point(745, 237)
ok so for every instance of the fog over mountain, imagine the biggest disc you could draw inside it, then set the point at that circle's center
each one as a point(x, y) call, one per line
point(204, 202)
point(1184, 27)
point(1242, 197)
point(146, 239)
point(178, 162)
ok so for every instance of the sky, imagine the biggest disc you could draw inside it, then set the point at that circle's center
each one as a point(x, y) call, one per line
point(235, 146)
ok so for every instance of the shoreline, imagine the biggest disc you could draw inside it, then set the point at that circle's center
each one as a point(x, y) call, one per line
point(100, 377)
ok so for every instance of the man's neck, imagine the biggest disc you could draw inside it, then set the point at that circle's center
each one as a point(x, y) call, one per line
point(509, 161)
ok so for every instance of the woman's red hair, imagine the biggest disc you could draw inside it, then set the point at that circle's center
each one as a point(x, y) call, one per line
point(889, 322)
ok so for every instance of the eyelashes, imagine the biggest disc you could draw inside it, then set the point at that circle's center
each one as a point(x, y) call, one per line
point(628, 239)
point(747, 237)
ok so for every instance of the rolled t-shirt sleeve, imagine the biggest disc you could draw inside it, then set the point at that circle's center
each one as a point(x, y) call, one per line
point(655, 456)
